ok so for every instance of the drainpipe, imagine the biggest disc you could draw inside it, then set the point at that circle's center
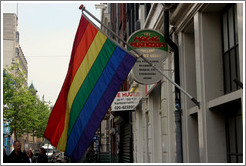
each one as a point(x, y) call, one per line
point(177, 112)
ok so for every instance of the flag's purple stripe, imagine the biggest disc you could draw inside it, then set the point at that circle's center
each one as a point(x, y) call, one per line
point(103, 106)
point(94, 98)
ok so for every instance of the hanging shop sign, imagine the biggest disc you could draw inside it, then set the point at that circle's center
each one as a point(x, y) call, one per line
point(153, 46)
point(125, 101)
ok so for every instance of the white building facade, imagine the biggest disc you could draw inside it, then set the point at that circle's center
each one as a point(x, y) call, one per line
point(210, 41)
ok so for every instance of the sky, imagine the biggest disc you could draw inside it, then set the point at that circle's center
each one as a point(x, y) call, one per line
point(47, 31)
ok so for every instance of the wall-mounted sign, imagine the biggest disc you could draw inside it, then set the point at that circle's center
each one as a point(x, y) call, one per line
point(125, 101)
point(153, 46)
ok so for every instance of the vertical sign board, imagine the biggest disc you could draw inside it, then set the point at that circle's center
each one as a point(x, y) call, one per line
point(153, 47)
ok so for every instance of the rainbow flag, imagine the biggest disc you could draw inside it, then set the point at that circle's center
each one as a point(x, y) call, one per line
point(97, 69)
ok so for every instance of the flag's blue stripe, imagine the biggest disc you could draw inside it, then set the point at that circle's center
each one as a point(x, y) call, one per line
point(93, 99)
point(102, 107)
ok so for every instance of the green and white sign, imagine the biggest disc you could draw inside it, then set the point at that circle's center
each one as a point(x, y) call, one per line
point(153, 47)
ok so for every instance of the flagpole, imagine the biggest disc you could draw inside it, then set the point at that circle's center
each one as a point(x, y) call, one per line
point(140, 55)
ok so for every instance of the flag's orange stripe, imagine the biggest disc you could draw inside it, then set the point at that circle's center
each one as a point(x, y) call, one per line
point(79, 77)
point(80, 53)
point(58, 112)
point(56, 121)
point(83, 47)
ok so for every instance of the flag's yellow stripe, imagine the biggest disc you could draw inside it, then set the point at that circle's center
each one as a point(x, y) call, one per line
point(79, 78)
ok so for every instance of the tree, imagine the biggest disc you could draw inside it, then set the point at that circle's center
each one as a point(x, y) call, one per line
point(40, 119)
point(22, 108)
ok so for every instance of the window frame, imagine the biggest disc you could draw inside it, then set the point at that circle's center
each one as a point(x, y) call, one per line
point(231, 53)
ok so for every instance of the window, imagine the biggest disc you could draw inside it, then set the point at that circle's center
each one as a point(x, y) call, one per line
point(16, 52)
point(234, 132)
point(17, 37)
point(147, 9)
point(132, 17)
point(233, 110)
point(230, 49)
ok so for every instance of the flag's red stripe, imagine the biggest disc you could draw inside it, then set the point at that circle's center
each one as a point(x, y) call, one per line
point(83, 47)
point(55, 125)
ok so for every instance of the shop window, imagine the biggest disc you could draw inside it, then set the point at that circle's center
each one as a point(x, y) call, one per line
point(230, 49)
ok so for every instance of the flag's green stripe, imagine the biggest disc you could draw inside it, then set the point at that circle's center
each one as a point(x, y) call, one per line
point(90, 81)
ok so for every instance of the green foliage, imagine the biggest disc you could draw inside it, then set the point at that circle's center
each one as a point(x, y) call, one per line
point(21, 107)
point(39, 119)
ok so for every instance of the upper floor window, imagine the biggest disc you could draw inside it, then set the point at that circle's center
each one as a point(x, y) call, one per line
point(147, 9)
point(230, 49)
point(132, 17)
point(17, 52)
point(17, 37)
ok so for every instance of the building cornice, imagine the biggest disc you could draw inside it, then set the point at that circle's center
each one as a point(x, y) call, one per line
point(179, 21)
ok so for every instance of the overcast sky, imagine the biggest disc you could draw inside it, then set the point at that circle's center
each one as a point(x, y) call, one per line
point(47, 32)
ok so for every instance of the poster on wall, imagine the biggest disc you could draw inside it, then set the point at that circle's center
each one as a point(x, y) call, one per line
point(154, 48)
point(125, 101)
